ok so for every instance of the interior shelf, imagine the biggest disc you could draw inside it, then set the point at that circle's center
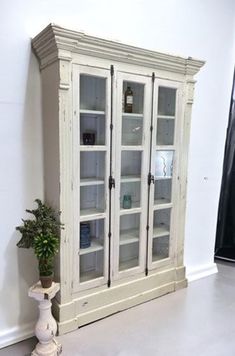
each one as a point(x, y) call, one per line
point(88, 214)
point(129, 236)
point(91, 181)
point(135, 208)
point(95, 246)
point(162, 201)
point(92, 148)
point(165, 148)
point(166, 117)
point(162, 177)
point(132, 115)
point(130, 179)
point(132, 148)
point(160, 231)
point(92, 112)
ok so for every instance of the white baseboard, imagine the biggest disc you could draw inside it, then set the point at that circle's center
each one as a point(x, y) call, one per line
point(203, 271)
point(16, 334)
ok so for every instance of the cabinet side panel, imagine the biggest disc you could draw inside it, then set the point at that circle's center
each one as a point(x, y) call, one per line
point(50, 105)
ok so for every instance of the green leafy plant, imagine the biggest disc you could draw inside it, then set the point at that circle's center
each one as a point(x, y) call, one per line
point(42, 234)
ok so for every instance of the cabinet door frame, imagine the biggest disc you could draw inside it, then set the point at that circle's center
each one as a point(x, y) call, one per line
point(174, 205)
point(77, 70)
point(144, 148)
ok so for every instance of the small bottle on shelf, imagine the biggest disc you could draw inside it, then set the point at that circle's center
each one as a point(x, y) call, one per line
point(128, 100)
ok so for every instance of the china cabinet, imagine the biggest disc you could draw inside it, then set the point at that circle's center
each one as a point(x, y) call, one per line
point(116, 121)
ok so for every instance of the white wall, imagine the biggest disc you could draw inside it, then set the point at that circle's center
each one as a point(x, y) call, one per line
point(199, 28)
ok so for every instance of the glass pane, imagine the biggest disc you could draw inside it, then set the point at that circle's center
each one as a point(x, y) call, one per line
point(129, 241)
point(131, 164)
point(130, 195)
point(92, 92)
point(91, 266)
point(161, 232)
point(91, 250)
point(165, 131)
point(163, 164)
point(133, 97)
point(162, 191)
point(92, 129)
point(166, 101)
point(132, 131)
point(92, 199)
point(95, 170)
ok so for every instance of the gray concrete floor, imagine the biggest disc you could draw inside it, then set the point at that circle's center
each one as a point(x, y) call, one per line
point(198, 320)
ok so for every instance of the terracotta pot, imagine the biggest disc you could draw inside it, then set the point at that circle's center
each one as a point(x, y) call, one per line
point(46, 281)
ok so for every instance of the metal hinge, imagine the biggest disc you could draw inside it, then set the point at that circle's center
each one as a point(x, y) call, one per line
point(109, 235)
point(153, 77)
point(147, 227)
point(112, 70)
point(111, 182)
point(151, 128)
point(150, 179)
point(111, 127)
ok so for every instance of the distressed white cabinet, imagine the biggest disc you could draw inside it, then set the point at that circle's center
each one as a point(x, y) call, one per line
point(117, 177)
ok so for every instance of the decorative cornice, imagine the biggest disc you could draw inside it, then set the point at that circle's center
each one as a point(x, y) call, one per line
point(49, 43)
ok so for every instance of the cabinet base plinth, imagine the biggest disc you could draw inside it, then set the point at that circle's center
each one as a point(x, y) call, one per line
point(93, 307)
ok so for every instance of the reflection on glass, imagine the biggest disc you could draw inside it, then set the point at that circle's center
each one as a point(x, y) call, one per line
point(92, 199)
point(132, 190)
point(129, 241)
point(91, 265)
point(161, 232)
point(164, 164)
point(160, 248)
point(138, 96)
point(132, 130)
point(131, 164)
point(166, 101)
point(92, 92)
point(94, 127)
point(165, 131)
point(162, 191)
point(96, 167)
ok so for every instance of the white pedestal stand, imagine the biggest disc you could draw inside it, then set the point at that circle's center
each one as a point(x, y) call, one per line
point(46, 326)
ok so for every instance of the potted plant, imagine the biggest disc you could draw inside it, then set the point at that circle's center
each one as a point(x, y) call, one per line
point(42, 234)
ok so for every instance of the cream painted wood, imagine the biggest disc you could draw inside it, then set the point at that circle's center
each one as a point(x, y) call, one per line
point(46, 326)
point(89, 215)
point(143, 149)
point(63, 56)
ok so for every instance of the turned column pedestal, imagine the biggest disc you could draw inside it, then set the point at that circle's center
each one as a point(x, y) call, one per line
point(46, 327)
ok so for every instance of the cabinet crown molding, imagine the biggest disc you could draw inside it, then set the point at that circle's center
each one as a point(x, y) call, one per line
point(54, 40)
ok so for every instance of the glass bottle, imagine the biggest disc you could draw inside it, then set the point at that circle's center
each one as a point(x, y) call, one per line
point(128, 100)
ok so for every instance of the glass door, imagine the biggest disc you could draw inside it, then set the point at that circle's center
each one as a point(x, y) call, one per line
point(132, 135)
point(163, 170)
point(91, 103)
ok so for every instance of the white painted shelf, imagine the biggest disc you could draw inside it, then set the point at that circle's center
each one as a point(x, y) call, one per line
point(166, 117)
point(92, 112)
point(165, 148)
point(132, 148)
point(161, 231)
point(91, 181)
point(91, 214)
point(129, 236)
point(88, 148)
point(161, 201)
point(95, 246)
point(130, 179)
point(135, 208)
point(162, 177)
point(126, 115)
